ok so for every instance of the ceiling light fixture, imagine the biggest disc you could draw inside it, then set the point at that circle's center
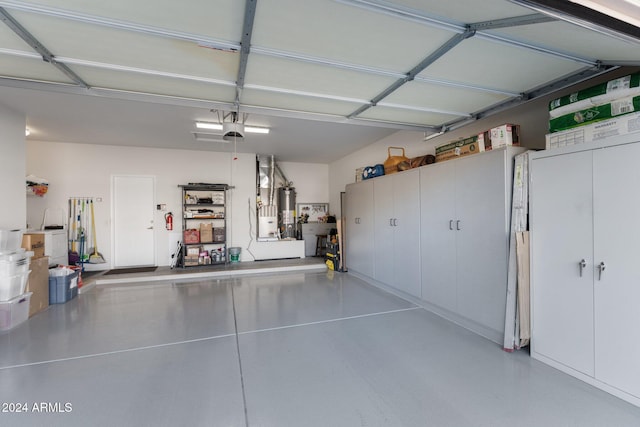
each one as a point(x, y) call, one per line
point(218, 126)
point(209, 125)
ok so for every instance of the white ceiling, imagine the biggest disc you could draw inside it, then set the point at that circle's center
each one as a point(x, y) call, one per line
point(328, 76)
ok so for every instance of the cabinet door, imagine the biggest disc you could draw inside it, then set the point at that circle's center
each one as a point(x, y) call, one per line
point(437, 235)
point(617, 291)
point(482, 238)
point(406, 230)
point(561, 214)
point(359, 227)
point(383, 201)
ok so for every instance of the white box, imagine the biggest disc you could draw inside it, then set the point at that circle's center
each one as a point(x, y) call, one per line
point(500, 136)
point(622, 125)
point(14, 312)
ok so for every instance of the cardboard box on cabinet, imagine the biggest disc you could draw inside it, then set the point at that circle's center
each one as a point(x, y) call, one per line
point(34, 243)
point(38, 285)
point(598, 131)
point(503, 135)
point(461, 148)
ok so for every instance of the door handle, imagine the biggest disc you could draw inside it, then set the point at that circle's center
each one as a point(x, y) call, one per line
point(450, 224)
point(150, 228)
point(601, 268)
point(458, 225)
point(582, 265)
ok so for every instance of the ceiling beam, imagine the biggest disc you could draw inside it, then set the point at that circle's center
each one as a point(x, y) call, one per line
point(446, 47)
point(245, 46)
point(564, 82)
point(535, 18)
point(69, 89)
point(585, 17)
point(46, 55)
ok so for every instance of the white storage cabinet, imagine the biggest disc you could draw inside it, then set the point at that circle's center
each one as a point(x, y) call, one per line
point(396, 200)
point(584, 266)
point(359, 242)
point(465, 219)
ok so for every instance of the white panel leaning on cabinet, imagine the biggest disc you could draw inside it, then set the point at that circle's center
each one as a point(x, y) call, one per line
point(584, 275)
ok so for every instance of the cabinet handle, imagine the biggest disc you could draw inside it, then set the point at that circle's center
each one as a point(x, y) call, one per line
point(458, 225)
point(395, 222)
point(390, 222)
point(450, 224)
point(582, 265)
point(601, 268)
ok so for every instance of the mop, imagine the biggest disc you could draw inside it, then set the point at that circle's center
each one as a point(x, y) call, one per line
point(96, 257)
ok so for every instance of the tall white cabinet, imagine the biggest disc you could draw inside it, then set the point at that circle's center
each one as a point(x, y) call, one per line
point(440, 233)
point(397, 231)
point(584, 266)
point(465, 212)
point(359, 242)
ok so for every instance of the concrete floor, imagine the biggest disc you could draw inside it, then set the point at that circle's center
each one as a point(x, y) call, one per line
point(296, 348)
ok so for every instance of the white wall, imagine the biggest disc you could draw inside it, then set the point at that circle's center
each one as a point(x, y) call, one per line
point(343, 171)
point(311, 181)
point(12, 169)
point(77, 170)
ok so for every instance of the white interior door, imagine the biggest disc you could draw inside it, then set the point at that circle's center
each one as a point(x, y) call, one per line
point(133, 210)
point(617, 291)
point(562, 236)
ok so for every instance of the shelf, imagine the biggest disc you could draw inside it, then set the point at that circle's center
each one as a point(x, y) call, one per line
point(205, 204)
point(201, 243)
point(205, 265)
point(205, 217)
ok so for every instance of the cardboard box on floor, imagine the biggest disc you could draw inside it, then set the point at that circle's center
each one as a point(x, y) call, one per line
point(38, 284)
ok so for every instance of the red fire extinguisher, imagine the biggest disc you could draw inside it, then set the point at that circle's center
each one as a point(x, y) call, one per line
point(168, 219)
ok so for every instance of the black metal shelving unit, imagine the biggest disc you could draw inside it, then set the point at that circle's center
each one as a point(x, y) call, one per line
point(204, 204)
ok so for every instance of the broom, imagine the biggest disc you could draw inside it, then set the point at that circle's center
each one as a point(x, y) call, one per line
point(96, 257)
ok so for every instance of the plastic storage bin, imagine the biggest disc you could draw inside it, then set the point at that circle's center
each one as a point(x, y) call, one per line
point(13, 286)
point(63, 288)
point(15, 263)
point(14, 311)
point(10, 241)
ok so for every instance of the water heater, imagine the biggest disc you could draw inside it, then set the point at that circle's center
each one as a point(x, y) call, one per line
point(287, 212)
